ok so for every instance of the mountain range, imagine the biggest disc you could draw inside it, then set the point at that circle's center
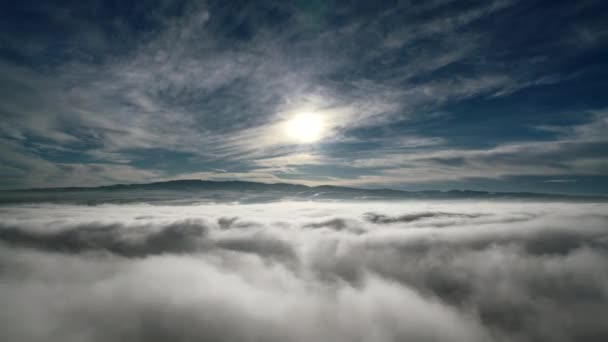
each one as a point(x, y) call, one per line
point(195, 190)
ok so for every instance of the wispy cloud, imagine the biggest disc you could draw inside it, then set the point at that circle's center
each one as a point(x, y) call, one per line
point(220, 88)
point(579, 151)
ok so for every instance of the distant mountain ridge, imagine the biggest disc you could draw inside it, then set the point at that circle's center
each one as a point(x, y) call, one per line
point(250, 192)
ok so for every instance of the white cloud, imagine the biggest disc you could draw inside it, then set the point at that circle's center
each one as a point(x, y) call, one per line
point(186, 88)
point(21, 169)
point(301, 271)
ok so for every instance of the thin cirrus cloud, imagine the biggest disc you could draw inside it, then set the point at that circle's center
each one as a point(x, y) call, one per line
point(212, 86)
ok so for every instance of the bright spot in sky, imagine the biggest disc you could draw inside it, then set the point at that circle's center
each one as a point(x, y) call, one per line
point(305, 128)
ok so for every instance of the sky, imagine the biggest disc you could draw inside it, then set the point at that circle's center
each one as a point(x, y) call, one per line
point(485, 95)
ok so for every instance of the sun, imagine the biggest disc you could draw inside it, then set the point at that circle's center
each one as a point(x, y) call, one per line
point(305, 128)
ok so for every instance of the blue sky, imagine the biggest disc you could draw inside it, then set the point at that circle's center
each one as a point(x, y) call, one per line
point(487, 95)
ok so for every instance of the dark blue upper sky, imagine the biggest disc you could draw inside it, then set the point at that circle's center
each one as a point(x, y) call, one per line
point(491, 95)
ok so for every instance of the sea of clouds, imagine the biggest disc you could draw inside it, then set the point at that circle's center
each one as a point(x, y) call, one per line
point(305, 271)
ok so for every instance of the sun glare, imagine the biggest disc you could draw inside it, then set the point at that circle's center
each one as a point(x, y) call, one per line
point(305, 128)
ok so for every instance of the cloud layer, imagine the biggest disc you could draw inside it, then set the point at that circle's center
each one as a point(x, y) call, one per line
point(298, 271)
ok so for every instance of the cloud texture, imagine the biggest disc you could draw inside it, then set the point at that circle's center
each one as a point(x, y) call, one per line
point(413, 94)
point(301, 271)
